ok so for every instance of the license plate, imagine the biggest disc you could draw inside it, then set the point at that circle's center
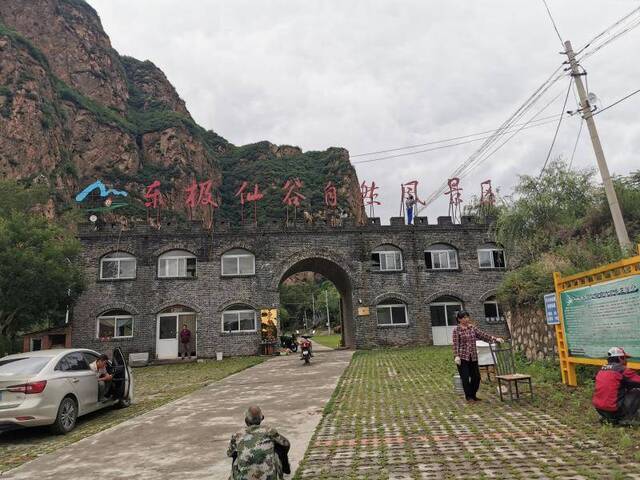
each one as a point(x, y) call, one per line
point(305, 353)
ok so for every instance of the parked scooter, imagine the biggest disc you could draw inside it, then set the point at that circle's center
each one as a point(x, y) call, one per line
point(290, 342)
point(305, 350)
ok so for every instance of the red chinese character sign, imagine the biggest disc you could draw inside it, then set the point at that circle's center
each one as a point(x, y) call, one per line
point(199, 195)
point(369, 196)
point(154, 201)
point(409, 199)
point(248, 196)
point(330, 195)
point(455, 199)
point(292, 196)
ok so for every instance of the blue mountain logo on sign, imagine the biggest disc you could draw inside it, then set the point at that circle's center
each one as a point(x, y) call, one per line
point(104, 191)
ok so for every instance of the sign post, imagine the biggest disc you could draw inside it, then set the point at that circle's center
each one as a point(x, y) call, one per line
point(597, 309)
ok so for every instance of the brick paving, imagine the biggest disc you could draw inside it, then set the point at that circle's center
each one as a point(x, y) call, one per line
point(395, 416)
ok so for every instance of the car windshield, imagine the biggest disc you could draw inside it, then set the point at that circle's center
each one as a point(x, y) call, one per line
point(23, 365)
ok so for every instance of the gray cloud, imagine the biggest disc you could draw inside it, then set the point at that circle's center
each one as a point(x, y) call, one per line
point(371, 75)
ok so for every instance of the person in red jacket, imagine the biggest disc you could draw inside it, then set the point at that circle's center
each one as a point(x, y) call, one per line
point(617, 393)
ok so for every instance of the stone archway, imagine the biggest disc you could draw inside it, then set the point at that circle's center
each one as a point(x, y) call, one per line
point(340, 278)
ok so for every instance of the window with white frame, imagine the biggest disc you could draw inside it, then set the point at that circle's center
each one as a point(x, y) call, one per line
point(239, 318)
point(115, 324)
point(386, 258)
point(492, 311)
point(491, 256)
point(392, 313)
point(238, 262)
point(117, 266)
point(441, 257)
point(177, 264)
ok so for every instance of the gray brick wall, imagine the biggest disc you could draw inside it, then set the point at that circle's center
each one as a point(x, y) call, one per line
point(342, 254)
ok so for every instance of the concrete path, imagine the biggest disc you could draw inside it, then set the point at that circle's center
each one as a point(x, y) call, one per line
point(187, 439)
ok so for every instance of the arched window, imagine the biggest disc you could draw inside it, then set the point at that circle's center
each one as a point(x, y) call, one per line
point(386, 258)
point(441, 256)
point(443, 318)
point(115, 324)
point(238, 262)
point(392, 312)
point(491, 255)
point(177, 264)
point(492, 311)
point(239, 318)
point(117, 266)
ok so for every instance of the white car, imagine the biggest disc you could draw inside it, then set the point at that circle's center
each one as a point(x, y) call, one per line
point(55, 387)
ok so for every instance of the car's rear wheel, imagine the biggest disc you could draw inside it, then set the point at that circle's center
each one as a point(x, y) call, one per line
point(66, 417)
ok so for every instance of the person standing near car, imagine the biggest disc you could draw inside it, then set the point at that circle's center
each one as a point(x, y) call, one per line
point(185, 342)
point(103, 370)
point(466, 354)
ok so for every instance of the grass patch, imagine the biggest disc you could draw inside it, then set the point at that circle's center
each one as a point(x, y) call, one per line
point(154, 387)
point(395, 413)
point(331, 341)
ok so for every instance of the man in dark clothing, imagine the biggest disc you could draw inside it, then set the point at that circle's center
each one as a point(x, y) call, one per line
point(466, 354)
point(185, 342)
point(616, 395)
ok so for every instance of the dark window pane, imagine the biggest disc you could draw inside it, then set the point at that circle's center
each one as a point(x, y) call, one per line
point(230, 321)
point(438, 318)
point(168, 327)
point(498, 258)
point(247, 321)
point(384, 315)
point(427, 260)
point(106, 327)
point(125, 327)
point(191, 267)
point(451, 314)
point(375, 259)
point(398, 315)
point(490, 310)
point(109, 269)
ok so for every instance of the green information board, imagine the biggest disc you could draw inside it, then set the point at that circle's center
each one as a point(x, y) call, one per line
point(602, 316)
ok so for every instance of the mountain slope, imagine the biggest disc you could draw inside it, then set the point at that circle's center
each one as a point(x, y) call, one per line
point(72, 110)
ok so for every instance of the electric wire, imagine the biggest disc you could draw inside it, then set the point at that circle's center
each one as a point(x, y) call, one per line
point(608, 29)
point(555, 135)
point(616, 103)
point(553, 22)
point(435, 142)
point(575, 146)
point(609, 41)
point(539, 123)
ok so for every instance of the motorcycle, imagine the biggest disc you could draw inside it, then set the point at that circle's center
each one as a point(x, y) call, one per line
point(305, 351)
point(290, 342)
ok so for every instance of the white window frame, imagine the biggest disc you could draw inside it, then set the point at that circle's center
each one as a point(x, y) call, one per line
point(176, 255)
point(500, 317)
point(391, 306)
point(445, 305)
point(115, 327)
point(125, 257)
point(448, 251)
point(491, 250)
point(237, 257)
point(238, 312)
point(387, 253)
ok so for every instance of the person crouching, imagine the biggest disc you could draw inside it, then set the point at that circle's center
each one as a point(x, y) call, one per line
point(616, 396)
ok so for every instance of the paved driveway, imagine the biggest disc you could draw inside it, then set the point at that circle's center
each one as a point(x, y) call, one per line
point(187, 439)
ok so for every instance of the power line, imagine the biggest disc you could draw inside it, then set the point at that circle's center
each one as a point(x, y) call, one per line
point(525, 126)
point(608, 29)
point(615, 103)
point(610, 40)
point(553, 22)
point(575, 146)
point(435, 142)
point(555, 135)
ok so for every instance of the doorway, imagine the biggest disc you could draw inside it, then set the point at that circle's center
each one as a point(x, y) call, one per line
point(443, 319)
point(169, 324)
point(316, 293)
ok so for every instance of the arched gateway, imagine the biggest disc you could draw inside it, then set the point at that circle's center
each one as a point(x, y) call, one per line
point(388, 277)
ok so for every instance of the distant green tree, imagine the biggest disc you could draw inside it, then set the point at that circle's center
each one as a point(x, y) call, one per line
point(39, 271)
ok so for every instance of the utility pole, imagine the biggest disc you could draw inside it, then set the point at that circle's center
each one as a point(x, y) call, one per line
point(326, 303)
point(587, 114)
point(313, 309)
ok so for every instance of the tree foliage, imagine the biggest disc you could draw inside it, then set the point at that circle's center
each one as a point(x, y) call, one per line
point(560, 222)
point(296, 304)
point(39, 272)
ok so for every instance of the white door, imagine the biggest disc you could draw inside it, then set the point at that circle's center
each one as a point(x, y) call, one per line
point(167, 340)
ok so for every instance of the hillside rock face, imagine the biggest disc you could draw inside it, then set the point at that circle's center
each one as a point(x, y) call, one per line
point(72, 110)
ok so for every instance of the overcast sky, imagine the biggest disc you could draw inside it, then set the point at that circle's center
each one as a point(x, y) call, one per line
point(372, 75)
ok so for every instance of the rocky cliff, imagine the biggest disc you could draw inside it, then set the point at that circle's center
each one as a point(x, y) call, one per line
point(72, 111)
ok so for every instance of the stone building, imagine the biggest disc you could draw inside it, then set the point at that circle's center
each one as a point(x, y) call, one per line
point(399, 284)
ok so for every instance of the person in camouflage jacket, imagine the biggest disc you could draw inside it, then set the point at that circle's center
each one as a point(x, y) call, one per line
point(257, 450)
